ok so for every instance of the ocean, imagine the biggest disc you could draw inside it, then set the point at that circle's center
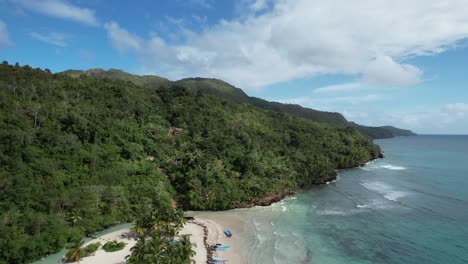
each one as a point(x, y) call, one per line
point(410, 207)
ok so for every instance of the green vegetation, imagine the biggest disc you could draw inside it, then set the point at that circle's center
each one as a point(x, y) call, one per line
point(76, 252)
point(227, 91)
point(157, 233)
point(113, 246)
point(91, 249)
point(81, 154)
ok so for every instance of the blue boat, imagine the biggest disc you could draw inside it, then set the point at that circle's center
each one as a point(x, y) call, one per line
point(228, 233)
point(221, 247)
point(217, 260)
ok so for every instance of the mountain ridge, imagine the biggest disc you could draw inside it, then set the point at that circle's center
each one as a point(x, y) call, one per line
point(220, 88)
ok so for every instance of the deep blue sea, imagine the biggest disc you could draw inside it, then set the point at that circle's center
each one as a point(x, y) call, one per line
point(410, 207)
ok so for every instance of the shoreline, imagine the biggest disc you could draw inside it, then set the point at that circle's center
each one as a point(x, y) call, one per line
point(204, 230)
point(207, 228)
point(195, 232)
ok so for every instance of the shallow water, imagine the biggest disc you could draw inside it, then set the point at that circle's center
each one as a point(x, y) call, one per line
point(411, 207)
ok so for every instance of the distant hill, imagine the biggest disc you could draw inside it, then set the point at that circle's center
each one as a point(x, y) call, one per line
point(225, 90)
point(383, 131)
point(115, 74)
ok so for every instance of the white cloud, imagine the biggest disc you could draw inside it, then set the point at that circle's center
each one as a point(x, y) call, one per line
point(458, 110)
point(61, 9)
point(4, 35)
point(445, 119)
point(384, 70)
point(302, 38)
point(53, 38)
point(339, 87)
point(325, 103)
point(259, 5)
point(121, 39)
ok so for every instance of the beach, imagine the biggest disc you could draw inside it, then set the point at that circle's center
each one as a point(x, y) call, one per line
point(207, 227)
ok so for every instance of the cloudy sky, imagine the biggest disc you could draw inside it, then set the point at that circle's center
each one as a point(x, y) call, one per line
point(378, 62)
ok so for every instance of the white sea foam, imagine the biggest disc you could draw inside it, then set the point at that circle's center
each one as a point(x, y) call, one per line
point(386, 190)
point(375, 204)
point(331, 212)
point(391, 167)
point(374, 166)
point(395, 195)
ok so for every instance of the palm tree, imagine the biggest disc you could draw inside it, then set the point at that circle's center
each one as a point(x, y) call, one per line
point(140, 231)
point(74, 217)
point(186, 248)
point(76, 252)
point(138, 254)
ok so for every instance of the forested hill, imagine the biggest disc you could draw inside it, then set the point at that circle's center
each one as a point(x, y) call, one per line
point(79, 154)
point(222, 89)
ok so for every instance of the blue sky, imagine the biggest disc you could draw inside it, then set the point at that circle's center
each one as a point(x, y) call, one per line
point(383, 62)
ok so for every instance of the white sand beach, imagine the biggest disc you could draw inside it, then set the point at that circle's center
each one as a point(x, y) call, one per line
point(241, 241)
point(214, 223)
point(195, 231)
point(117, 257)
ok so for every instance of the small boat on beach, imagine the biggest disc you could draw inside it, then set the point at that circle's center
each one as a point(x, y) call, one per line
point(228, 233)
point(220, 247)
point(217, 260)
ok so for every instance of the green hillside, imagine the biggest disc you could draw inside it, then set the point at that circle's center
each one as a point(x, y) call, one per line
point(79, 154)
point(225, 90)
point(114, 74)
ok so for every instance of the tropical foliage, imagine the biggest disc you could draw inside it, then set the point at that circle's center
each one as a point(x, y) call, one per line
point(81, 154)
point(159, 243)
point(91, 249)
point(76, 252)
point(113, 246)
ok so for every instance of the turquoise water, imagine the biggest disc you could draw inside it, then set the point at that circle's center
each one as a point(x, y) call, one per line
point(410, 207)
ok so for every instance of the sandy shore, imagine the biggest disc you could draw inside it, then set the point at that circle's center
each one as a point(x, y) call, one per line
point(206, 229)
point(117, 257)
point(242, 238)
point(195, 232)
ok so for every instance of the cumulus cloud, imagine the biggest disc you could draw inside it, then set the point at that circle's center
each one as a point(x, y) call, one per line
point(61, 9)
point(4, 35)
point(121, 39)
point(384, 70)
point(53, 38)
point(301, 38)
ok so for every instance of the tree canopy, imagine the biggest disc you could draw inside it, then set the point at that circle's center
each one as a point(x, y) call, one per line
point(81, 154)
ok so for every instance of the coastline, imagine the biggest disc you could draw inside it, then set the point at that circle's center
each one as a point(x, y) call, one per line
point(206, 229)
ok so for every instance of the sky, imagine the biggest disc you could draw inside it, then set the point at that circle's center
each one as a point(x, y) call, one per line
point(378, 62)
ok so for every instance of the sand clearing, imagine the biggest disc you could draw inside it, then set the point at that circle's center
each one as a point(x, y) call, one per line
point(213, 224)
point(216, 224)
point(117, 257)
point(196, 233)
